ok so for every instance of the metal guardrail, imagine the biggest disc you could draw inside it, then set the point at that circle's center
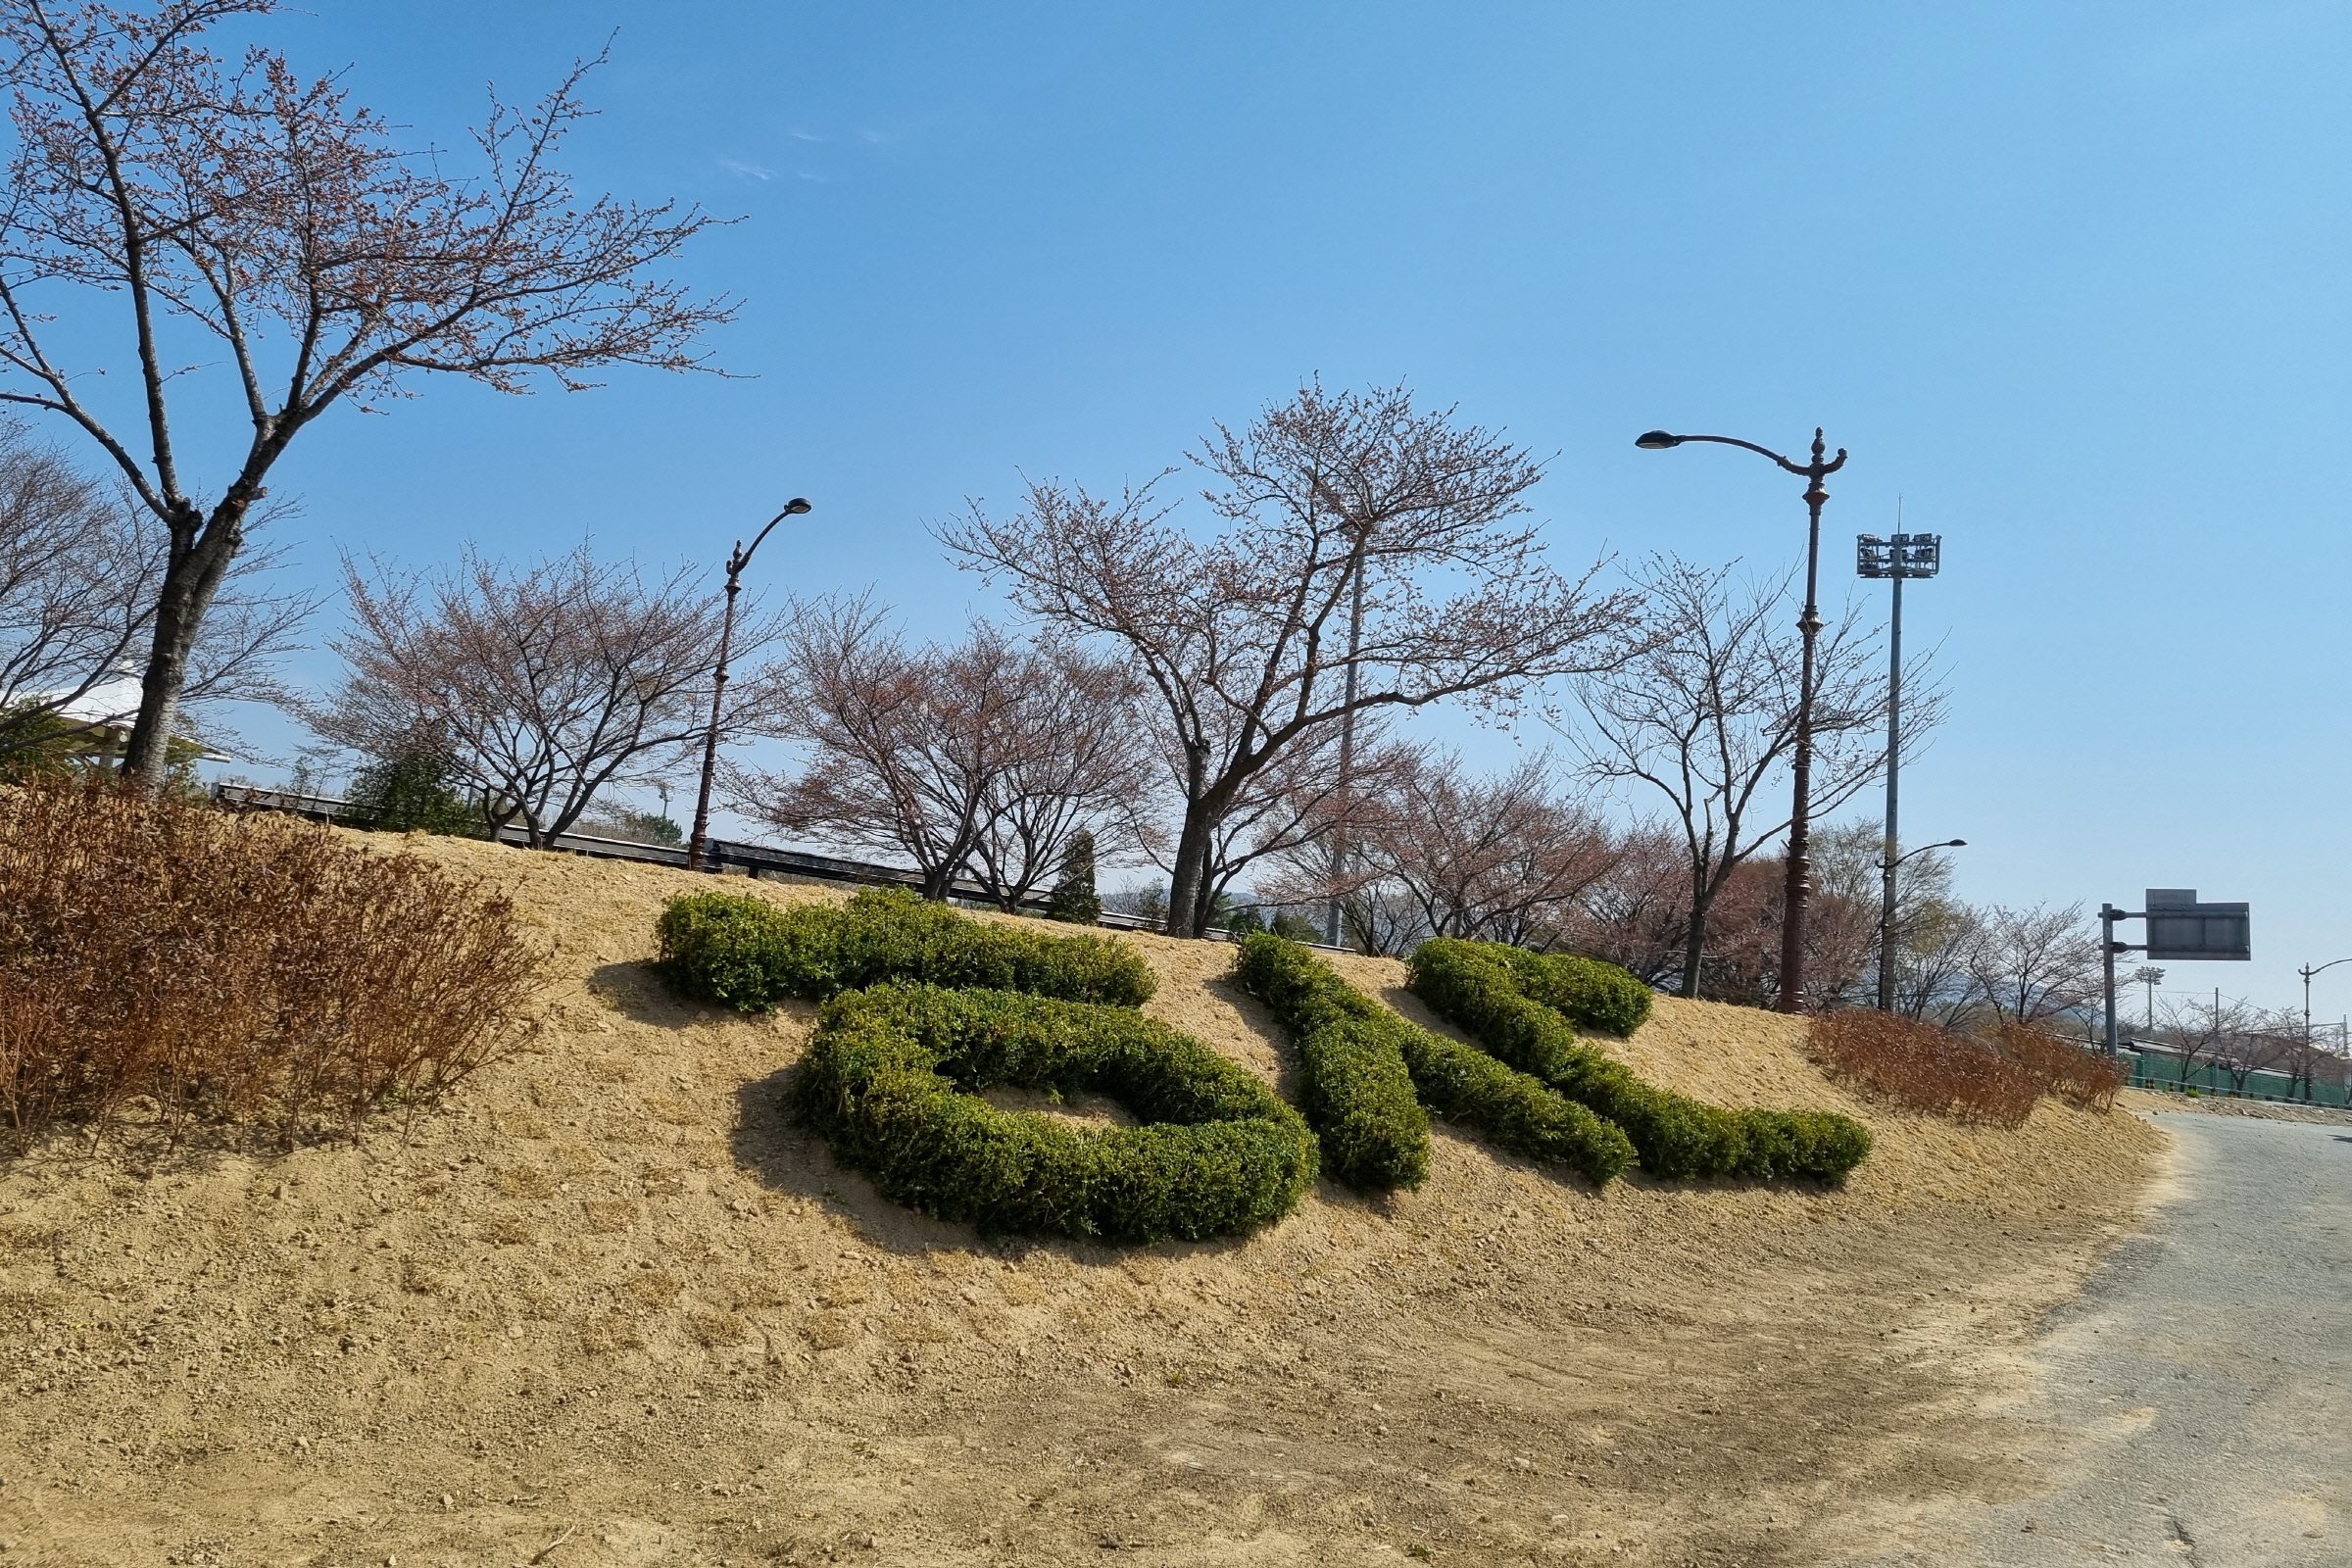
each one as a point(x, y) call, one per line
point(720, 856)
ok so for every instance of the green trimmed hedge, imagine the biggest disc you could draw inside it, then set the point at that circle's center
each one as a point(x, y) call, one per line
point(1369, 1071)
point(1479, 986)
point(1358, 1095)
point(891, 1081)
point(927, 1006)
point(749, 954)
point(1586, 992)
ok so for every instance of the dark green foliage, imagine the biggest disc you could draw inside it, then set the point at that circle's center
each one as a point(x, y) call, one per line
point(1359, 1094)
point(641, 827)
point(750, 954)
point(1239, 920)
point(1292, 926)
point(890, 1080)
point(1074, 897)
point(1588, 992)
point(411, 794)
point(1517, 1110)
point(1479, 986)
point(1348, 1042)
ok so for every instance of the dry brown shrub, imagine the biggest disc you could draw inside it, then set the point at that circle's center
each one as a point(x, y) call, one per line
point(652, 1287)
point(715, 1330)
point(608, 1216)
point(522, 1181)
point(2064, 1067)
point(170, 963)
point(1924, 1067)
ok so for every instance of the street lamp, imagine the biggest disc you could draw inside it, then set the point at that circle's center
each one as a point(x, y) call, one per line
point(1800, 813)
point(1887, 967)
point(741, 558)
point(1903, 556)
point(2307, 972)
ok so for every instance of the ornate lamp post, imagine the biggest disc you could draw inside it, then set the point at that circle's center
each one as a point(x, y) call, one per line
point(741, 558)
point(1800, 892)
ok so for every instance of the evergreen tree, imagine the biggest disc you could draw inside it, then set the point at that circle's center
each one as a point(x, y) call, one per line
point(1074, 897)
point(1296, 927)
point(411, 794)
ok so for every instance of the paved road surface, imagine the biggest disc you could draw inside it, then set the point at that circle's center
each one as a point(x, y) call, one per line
point(2202, 1384)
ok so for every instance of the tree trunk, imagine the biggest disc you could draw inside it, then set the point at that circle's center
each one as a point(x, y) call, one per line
point(1694, 936)
point(1188, 879)
point(189, 583)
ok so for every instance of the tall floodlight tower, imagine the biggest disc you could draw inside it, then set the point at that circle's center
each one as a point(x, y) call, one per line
point(1905, 554)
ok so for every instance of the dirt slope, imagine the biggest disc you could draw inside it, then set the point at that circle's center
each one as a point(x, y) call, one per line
point(607, 1294)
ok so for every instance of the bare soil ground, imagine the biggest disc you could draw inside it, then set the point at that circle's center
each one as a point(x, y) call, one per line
point(607, 1296)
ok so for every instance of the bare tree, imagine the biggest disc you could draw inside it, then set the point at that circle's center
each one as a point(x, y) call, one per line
point(1077, 765)
point(983, 758)
point(1330, 500)
point(1704, 712)
point(1843, 942)
point(1637, 914)
point(2204, 1032)
point(2269, 1043)
point(1279, 825)
point(539, 686)
point(245, 207)
point(78, 574)
point(1501, 858)
point(1937, 937)
point(2029, 964)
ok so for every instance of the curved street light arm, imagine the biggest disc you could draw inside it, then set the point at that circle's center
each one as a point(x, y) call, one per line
point(742, 557)
point(1947, 844)
point(1813, 469)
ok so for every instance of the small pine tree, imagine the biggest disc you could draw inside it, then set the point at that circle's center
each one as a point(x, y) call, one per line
point(1296, 927)
point(411, 794)
point(1074, 897)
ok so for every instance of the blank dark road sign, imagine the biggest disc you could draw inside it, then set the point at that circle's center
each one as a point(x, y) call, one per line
point(2179, 927)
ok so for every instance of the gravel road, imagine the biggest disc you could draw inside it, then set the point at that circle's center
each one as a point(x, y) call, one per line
point(2196, 1398)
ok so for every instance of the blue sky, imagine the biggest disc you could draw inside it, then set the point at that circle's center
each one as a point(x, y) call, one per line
point(2068, 277)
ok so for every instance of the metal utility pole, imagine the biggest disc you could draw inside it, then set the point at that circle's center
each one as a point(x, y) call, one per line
point(1906, 554)
point(1800, 892)
point(1338, 833)
point(741, 558)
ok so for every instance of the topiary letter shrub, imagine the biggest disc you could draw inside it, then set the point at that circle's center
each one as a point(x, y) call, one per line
point(1362, 1063)
point(1358, 1093)
point(1586, 992)
point(926, 1008)
point(1483, 987)
point(749, 955)
point(892, 1081)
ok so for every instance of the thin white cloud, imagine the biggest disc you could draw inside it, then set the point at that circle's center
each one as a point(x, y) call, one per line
point(734, 165)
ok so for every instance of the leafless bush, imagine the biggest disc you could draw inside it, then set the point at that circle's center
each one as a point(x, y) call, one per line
point(162, 963)
point(2064, 1067)
point(1925, 1067)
